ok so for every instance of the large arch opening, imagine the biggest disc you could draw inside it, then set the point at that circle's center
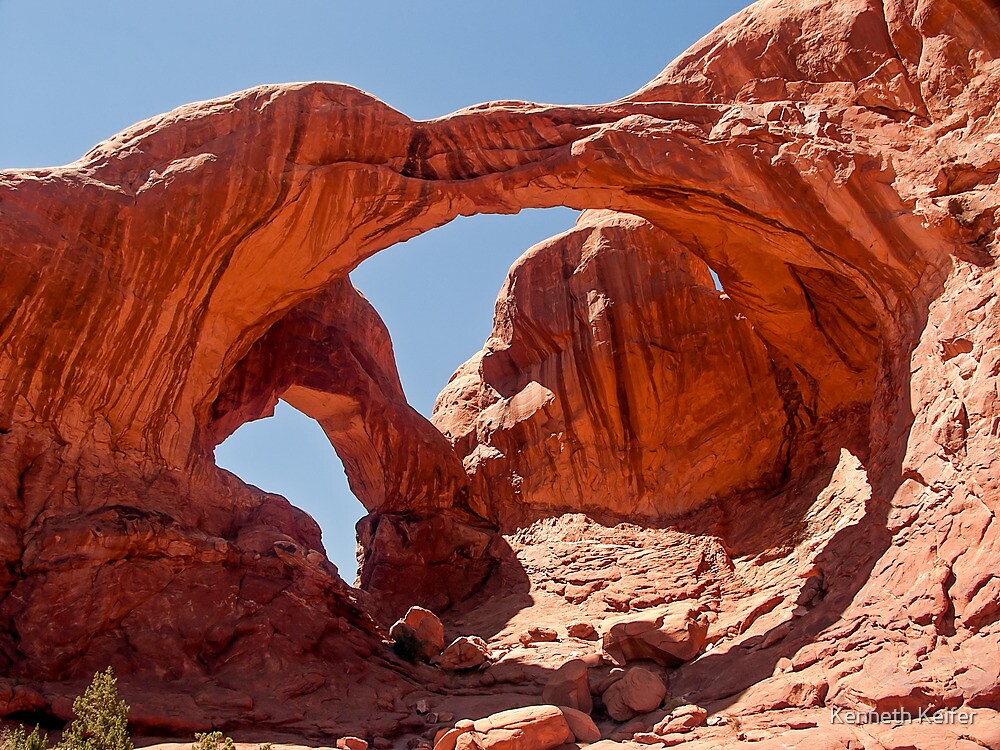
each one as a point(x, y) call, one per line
point(590, 395)
point(334, 368)
point(437, 493)
point(436, 292)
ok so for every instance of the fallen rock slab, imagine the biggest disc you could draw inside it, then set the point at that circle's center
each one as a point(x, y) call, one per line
point(538, 635)
point(570, 686)
point(582, 726)
point(465, 652)
point(681, 719)
point(531, 728)
point(582, 630)
point(638, 692)
point(667, 635)
point(424, 627)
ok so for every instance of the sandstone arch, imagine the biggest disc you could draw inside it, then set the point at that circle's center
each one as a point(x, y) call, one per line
point(842, 184)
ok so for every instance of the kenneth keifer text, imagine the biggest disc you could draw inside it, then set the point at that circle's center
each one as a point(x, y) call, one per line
point(839, 715)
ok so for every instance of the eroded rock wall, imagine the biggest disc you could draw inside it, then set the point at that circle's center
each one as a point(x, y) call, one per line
point(331, 358)
point(617, 382)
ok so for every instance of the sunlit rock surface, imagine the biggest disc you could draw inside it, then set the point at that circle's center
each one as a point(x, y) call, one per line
point(834, 162)
point(617, 382)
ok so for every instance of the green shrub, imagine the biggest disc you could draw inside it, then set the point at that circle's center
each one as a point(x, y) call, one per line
point(406, 645)
point(19, 739)
point(101, 721)
point(213, 741)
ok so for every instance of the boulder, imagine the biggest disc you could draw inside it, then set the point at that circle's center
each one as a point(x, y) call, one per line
point(569, 686)
point(582, 726)
point(465, 652)
point(599, 683)
point(538, 635)
point(582, 630)
point(681, 719)
point(423, 626)
point(638, 692)
point(531, 728)
point(668, 635)
point(446, 739)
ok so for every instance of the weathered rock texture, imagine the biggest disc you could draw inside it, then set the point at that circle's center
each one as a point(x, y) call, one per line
point(331, 357)
point(835, 162)
point(617, 381)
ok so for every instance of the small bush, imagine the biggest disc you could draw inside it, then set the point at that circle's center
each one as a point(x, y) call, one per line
point(101, 721)
point(406, 645)
point(19, 739)
point(213, 741)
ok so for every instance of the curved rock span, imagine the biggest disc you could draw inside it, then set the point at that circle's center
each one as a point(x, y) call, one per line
point(804, 461)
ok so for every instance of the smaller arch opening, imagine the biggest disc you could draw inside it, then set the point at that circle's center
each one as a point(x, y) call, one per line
point(288, 454)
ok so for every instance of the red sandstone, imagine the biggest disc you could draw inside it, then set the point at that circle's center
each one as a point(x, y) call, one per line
point(808, 460)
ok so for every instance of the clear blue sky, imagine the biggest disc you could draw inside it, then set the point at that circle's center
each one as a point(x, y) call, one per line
point(73, 73)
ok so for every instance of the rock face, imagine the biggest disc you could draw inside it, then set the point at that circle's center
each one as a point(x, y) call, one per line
point(809, 459)
point(613, 362)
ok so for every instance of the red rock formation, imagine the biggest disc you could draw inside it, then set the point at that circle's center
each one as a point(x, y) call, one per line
point(836, 163)
point(331, 357)
point(617, 381)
